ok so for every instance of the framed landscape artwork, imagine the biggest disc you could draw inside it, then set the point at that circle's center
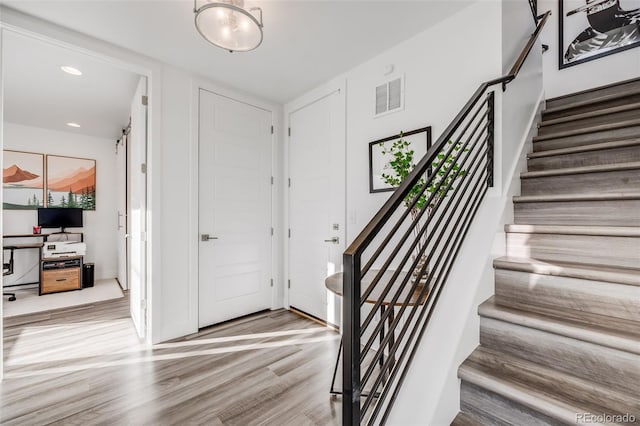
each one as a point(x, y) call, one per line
point(419, 140)
point(591, 29)
point(71, 182)
point(22, 180)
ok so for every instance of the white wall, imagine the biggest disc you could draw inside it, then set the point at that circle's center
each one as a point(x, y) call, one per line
point(100, 226)
point(598, 72)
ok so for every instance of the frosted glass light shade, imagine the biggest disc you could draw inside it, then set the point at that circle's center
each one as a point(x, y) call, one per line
point(229, 26)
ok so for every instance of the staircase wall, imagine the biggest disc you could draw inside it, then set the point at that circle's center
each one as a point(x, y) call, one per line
point(598, 72)
point(431, 391)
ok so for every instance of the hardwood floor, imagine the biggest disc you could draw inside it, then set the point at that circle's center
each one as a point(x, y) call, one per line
point(85, 365)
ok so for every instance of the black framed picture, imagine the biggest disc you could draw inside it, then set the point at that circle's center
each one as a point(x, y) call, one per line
point(420, 142)
point(591, 29)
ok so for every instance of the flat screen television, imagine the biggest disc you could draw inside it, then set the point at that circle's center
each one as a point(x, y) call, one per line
point(56, 217)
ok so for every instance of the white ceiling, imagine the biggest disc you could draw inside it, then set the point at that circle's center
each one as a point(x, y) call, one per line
point(38, 93)
point(305, 42)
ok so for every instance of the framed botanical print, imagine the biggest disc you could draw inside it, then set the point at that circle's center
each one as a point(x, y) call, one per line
point(379, 159)
point(591, 29)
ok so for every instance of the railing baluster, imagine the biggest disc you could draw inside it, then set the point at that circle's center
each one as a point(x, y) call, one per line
point(490, 138)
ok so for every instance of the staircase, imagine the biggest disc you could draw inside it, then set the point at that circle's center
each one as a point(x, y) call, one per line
point(560, 340)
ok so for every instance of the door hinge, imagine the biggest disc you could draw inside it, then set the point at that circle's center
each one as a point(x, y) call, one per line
point(143, 304)
point(143, 236)
point(145, 100)
point(272, 180)
point(289, 182)
point(289, 234)
point(272, 231)
point(288, 283)
point(143, 168)
point(289, 131)
point(271, 129)
point(271, 282)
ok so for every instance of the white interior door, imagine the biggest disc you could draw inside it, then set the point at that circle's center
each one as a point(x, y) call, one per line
point(138, 207)
point(121, 179)
point(316, 204)
point(234, 209)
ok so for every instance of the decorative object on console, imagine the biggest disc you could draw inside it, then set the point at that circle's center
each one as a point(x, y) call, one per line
point(71, 182)
point(22, 180)
point(591, 29)
point(419, 141)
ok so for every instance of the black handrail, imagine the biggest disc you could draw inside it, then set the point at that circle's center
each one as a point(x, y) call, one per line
point(478, 181)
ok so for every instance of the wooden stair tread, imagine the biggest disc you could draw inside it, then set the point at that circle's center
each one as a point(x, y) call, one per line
point(463, 419)
point(595, 89)
point(615, 333)
point(599, 230)
point(577, 197)
point(634, 165)
point(590, 114)
point(585, 148)
point(556, 394)
point(584, 130)
point(592, 101)
point(629, 276)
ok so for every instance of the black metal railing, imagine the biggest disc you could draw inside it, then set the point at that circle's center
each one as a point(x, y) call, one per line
point(533, 5)
point(396, 268)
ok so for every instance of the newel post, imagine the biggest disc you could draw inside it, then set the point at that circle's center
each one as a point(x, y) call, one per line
point(351, 340)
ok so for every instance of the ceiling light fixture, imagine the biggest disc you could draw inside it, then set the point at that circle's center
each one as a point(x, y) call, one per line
point(76, 125)
point(227, 24)
point(71, 70)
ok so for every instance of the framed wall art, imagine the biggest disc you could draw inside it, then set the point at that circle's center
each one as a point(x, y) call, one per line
point(379, 160)
point(22, 180)
point(591, 29)
point(71, 182)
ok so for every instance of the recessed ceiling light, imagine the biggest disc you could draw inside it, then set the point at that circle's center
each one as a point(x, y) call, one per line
point(73, 125)
point(71, 70)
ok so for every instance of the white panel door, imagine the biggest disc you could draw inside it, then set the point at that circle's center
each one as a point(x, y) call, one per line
point(316, 204)
point(121, 171)
point(234, 209)
point(138, 208)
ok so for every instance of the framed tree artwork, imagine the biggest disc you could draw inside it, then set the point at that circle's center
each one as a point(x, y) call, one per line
point(591, 29)
point(419, 141)
point(71, 182)
point(22, 180)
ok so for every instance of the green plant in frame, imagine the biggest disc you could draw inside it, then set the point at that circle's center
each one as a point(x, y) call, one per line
point(402, 162)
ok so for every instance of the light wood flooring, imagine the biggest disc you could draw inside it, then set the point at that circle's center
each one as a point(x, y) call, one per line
point(85, 366)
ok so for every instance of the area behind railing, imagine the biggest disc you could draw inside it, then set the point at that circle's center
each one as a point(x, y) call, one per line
point(395, 270)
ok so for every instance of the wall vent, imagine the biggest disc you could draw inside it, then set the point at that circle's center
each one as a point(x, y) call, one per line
point(390, 96)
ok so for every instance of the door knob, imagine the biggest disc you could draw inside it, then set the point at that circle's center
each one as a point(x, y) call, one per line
point(207, 237)
point(334, 240)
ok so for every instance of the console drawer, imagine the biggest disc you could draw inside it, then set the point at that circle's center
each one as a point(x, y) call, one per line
point(55, 280)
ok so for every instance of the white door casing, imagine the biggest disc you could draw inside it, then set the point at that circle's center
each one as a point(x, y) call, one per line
point(138, 207)
point(235, 223)
point(121, 171)
point(316, 204)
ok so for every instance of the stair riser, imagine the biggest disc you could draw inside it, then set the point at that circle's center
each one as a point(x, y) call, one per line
point(612, 213)
point(601, 364)
point(598, 297)
point(589, 249)
point(587, 138)
point(589, 158)
point(579, 97)
point(618, 181)
point(589, 108)
point(489, 408)
point(589, 121)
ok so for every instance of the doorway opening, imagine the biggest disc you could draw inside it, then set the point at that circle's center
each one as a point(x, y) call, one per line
point(74, 139)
